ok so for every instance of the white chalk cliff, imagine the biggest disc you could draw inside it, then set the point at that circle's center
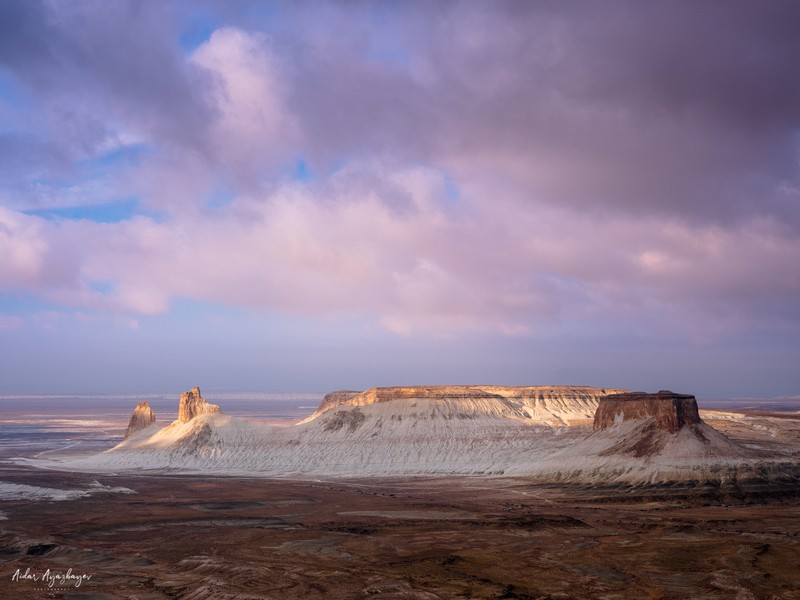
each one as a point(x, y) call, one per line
point(639, 437)
point(383, 431)
point(542, 432)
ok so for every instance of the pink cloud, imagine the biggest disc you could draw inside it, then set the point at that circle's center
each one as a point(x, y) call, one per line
point(347, 246)
point(10, 322)
point(567, 212)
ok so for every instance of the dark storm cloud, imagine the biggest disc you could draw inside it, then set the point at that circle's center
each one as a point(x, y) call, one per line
point(711, 82)
point(728, 61)
point(23, 33)
point(689, 109)
point(489, 164)
point(561, 171)
point(109, 64)
point(680, 109)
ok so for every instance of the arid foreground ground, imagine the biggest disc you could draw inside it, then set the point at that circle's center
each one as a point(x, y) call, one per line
point(220, 538)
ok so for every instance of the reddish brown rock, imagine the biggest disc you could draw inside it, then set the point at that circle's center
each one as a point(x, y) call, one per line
point(193, 404)
point(337, 398)
point(668, 410)
point(142, 417)
point(532, 394)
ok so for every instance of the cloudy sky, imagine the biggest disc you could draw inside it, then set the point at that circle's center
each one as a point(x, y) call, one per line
point(312, 196)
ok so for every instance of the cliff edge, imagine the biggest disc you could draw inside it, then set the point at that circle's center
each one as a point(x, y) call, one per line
point(669, 411)
point(557, 405)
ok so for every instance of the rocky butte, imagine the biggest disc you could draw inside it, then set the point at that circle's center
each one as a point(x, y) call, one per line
point(639, 437)
point(668, 410)
point(193, 404)
point(551, 404)
point(575, 434)
point(142, 416)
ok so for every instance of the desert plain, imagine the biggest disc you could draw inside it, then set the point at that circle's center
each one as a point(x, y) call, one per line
point(165, 533)
point(404, 538)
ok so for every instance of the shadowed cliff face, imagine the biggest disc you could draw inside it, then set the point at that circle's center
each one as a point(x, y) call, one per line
point(668, 410)
point(193, 404)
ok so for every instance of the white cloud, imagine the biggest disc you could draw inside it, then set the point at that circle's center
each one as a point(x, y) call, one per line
point(23, 247)
point(533, 148)
point(254, 127)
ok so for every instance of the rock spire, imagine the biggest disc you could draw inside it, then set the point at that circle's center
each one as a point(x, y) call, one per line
point(142, 417)
point(193, 404)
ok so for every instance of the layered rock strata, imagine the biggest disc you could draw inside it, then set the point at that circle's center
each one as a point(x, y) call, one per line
point(653, 438)
point(669, 411)
point(544, 432)
point(142, 416)
point(544, 399)
point(193, 404)
point(337, 398)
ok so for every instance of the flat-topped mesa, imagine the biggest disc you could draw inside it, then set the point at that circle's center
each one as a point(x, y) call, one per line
point(539, 399)
point(142, 416)
point(432, 392)
point(388, 394)
point(555, 398)
point(668, 410)
point(193, 404)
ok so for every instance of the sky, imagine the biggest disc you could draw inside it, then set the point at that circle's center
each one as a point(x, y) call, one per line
point(309, 196)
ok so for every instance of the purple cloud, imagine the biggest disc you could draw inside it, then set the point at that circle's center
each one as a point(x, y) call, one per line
point(507, 168)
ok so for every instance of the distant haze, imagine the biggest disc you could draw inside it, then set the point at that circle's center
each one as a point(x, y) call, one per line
point(302, 197)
